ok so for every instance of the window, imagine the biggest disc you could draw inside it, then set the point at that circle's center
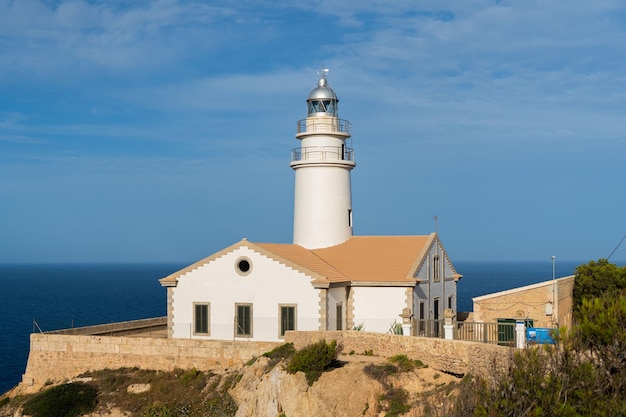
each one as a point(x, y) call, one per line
point(450, 302)
point(422, 326)
point(436, 317)
point(339, 323)
point(349, 217)
point(436, 268)
point(243, 266)
point(201, 319)
point(243, 320)
point(287, 319)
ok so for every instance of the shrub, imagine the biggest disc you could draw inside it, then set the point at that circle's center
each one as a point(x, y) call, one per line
point(583, 374)
point(380, 372)
point(314, 359)
point(67, 400)
point(396, 399)
point(595, 279)
point(279, 353)
point(221, 405)
point(405, 364)
point(157, 411)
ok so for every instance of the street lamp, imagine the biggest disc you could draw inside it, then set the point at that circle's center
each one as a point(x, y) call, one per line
point(554, 293)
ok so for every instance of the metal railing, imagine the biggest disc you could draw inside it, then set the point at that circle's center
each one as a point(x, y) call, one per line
point(494, 333)
point(324, 124)
point(322, 153)
point(149, 326)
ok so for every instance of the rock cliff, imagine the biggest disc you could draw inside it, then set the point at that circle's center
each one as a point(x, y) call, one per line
point(345, 391)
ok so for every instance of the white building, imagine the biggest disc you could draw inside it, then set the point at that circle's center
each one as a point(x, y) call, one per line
point(327, 279)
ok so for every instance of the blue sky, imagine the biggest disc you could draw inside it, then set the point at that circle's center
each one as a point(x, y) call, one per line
point(161, 130)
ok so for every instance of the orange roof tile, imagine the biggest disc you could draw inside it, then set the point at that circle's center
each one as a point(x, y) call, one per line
point(385, 260)
point(378, 258)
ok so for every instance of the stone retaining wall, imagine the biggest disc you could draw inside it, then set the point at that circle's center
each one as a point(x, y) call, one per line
point(453, 356)
point(59, 357)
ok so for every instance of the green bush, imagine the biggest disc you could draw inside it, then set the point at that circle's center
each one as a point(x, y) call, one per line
point(67, 400)
point(380, 372)
point(157, 411)
point(595, 279)
point(279, 353)
point(314, 359)
point(405, 364)
point(397, 402)
point(583, 374)
point(194, 378)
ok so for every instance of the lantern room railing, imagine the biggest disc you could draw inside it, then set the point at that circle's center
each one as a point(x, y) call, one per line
point(324, 124)
point(322, 153)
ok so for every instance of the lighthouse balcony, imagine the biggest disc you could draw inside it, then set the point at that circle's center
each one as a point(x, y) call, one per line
point(322, 153)
point(324, 125)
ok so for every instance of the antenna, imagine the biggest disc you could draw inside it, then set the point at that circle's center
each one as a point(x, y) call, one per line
point(618, 245)
point(436, 219)
point(323, 71)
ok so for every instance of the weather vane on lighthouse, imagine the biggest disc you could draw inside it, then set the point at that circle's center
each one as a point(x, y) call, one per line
point(323, 71)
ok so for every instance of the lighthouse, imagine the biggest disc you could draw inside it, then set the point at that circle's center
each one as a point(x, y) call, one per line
point(322, 165)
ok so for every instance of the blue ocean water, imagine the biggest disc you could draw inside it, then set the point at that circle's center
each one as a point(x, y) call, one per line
point(59, 296)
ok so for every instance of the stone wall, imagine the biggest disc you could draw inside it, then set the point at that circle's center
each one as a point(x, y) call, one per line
point(58, 357)
point(453, 356)
point(536, 302)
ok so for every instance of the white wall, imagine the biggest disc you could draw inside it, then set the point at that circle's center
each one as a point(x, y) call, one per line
point(267, 285)
point(378, 307)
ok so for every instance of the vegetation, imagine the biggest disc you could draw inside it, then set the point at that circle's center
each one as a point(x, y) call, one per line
point(396, 328)
point(171, 394)
point(394, 401)
point(314, 359)
point(583, 374)
point(279, 353)
point(595, 279)
point(67, 400)
point(405, 364)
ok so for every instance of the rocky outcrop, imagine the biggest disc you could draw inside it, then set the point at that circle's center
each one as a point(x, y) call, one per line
point(345, 391)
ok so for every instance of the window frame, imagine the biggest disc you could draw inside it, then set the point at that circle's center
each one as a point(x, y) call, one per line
point(436, 268)
point(249, 334)
point(282, 329)
point(207, 318)
point(339, 316)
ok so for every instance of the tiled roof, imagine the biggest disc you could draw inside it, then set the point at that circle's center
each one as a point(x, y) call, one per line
point(384, 260)
point(377, 258)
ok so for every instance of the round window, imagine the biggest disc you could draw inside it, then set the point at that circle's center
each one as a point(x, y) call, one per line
point(243, 266)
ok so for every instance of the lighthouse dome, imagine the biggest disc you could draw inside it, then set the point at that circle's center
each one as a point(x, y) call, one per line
point(322, 100)
point(322, 91)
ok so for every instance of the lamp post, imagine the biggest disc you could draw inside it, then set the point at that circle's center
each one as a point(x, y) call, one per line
point(554, 293)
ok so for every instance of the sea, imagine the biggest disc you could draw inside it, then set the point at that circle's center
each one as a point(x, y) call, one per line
point(45, 297)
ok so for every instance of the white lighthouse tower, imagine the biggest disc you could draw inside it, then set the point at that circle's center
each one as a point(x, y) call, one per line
point(323, 200)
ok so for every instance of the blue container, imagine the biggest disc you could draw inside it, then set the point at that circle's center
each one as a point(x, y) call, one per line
point(539, 336)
